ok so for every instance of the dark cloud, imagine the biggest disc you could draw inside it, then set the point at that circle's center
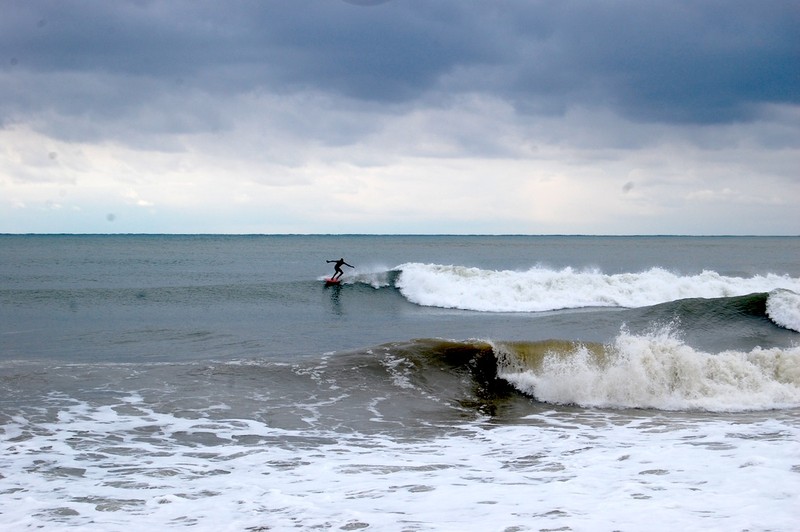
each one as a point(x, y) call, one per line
point(689, 62)
point(694, 61)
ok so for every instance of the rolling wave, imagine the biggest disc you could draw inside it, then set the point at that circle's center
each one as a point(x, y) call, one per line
point(655, 371)
point(541, 289)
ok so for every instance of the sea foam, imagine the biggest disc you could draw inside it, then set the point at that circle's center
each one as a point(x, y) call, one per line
point(102, 468)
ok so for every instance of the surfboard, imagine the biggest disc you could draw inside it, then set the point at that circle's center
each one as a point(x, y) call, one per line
point(332, 282)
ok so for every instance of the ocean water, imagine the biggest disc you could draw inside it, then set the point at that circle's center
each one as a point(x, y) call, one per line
point(450, 383)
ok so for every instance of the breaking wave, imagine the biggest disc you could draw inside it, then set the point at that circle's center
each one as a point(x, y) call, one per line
point(655, 370)
point(541, 289)
point(783, 308)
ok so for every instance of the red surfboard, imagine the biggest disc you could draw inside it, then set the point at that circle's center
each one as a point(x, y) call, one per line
point(332, 282)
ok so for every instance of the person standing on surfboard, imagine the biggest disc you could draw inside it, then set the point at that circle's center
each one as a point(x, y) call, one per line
point(338, 268)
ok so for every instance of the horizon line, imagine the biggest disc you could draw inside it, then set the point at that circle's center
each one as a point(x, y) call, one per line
point(615, 235)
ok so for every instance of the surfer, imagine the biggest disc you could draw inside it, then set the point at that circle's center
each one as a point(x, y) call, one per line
point(338, 268)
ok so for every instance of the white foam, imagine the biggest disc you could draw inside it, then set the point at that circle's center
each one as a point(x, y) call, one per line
point(542, 289)
point(106, 468)
point(783, 307)
point(658, 370)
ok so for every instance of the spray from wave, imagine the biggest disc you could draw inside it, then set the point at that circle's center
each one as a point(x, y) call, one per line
point(376, 276)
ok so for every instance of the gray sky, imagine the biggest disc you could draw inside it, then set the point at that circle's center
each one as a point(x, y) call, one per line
point(400, 116)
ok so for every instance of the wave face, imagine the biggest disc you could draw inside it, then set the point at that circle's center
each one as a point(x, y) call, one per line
point(655, 370)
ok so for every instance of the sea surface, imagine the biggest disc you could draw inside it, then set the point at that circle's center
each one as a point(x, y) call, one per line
point(456, 383)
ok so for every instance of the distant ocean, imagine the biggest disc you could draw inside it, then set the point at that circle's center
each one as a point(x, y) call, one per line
point(450, 383)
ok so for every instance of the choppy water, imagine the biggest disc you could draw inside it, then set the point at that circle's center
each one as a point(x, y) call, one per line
point(469, 383)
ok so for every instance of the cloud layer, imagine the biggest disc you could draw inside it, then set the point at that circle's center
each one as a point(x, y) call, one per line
point(400, 116)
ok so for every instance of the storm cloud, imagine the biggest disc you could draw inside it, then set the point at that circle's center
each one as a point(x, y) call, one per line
point(475, 79)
